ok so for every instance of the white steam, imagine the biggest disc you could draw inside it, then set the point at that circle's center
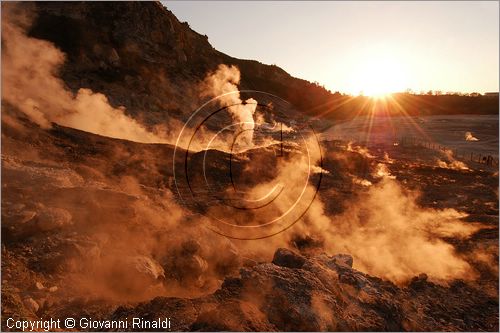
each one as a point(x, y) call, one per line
point(30, 83)
point(470, 137)
point(223, 83)
point(451, 163)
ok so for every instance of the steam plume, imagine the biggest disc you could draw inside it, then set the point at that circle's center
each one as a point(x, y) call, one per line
point(30, 82)
point(224, 83)
point(470, 137)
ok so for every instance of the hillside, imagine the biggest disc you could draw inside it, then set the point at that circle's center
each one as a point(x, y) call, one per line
point(249, 221)
point(142, 48)
point(142, 57)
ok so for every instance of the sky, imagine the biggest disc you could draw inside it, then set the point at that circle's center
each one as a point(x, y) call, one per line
point(360, 47)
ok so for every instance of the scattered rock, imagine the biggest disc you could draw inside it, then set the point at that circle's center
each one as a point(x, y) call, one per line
point(422, 277)
point(31, 304)
point(303, 242)
point(32, 222)
point(248, 262)
point(69, 255)
point(39, 285)
point(343, 259)
point(338, 260)
point(418, 282)
point(53, 289)
point(286, 258)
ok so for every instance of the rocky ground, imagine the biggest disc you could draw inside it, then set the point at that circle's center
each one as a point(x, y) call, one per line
point(71, 201)
point(324, 293)
point(94, 227)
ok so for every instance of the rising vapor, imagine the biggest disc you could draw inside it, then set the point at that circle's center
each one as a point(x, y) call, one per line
point(30, 83)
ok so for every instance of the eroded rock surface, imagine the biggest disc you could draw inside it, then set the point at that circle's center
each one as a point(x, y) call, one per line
point(325, 295)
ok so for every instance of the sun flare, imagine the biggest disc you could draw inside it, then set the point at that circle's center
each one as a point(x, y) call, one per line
point(379, 75)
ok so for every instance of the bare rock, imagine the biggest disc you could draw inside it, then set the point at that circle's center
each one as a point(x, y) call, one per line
point(31, 304)
point(286, 258)
point(418, 282)
point(148, 267)
point(248, 262)
point(338, 260)
point(70, 255)
point(326, 294)
point(343, 259)
point(39, 285)
point(422, 277)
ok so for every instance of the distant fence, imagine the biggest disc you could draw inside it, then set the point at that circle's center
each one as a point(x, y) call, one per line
point(472, 156)
point(465, 155)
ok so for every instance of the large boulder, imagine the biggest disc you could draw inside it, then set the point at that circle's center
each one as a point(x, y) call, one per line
point(343, 260)
point(27, 223)
point(69, 255)
point(286, 258)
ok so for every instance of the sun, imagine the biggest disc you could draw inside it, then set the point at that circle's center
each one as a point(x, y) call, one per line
point(379, 75)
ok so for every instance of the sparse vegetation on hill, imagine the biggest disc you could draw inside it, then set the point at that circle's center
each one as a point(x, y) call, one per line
point(142, 57)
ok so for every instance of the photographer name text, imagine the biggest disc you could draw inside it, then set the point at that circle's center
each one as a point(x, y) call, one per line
point(47, 325)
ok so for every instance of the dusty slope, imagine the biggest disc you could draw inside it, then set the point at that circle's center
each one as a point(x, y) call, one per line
point(80, 210)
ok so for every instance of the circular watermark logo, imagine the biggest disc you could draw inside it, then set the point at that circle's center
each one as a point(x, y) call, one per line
point(250, 163)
